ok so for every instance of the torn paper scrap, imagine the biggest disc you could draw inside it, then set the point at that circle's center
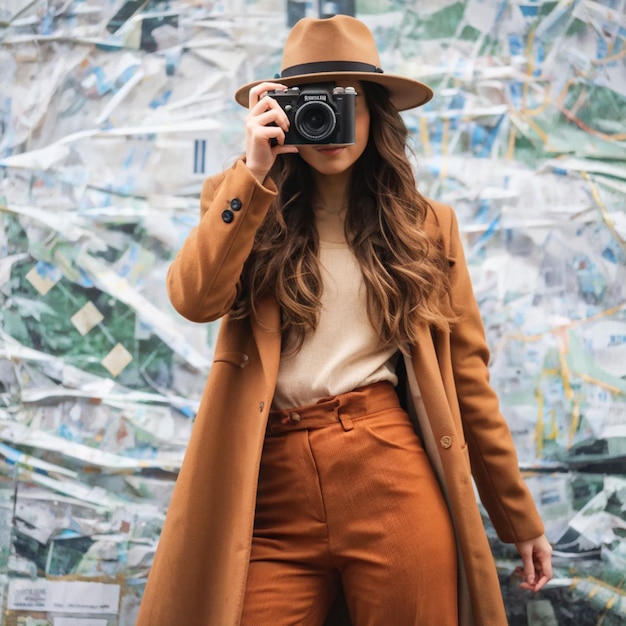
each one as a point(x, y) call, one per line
point(116, 360)
point(63, 596)
point(86, 318)
point(43, 277)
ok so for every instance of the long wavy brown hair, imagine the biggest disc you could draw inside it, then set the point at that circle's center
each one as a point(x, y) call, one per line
point(405, 272)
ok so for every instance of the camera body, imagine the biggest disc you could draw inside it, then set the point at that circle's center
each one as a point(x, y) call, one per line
point(319, 113)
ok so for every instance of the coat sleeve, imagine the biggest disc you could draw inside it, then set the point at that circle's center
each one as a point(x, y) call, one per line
point(493, 458)
point(202, 279)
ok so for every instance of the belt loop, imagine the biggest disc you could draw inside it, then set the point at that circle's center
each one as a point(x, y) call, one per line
point(345, 419)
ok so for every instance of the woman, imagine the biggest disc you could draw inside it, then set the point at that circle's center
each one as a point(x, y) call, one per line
point(348, 405)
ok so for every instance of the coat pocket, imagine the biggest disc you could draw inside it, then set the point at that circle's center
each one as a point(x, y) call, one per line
point(238, 359)
point(466, 456)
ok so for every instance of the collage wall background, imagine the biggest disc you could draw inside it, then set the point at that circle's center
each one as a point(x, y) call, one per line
point(112, 113)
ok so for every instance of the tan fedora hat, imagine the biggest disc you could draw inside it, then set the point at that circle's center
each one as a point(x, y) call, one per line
point(336, 48)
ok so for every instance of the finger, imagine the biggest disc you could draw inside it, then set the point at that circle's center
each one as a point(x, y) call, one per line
point(540, 583)
point(541, 576)
point(543, 569)
point(258, 91)
point(545, 561)
point(266, 131)
point(519, 573)
point(267, 125)
point(286, 149)
point(267, 112)
point(529, 567)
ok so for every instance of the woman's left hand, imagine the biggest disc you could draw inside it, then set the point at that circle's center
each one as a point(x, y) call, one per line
point(537, 559)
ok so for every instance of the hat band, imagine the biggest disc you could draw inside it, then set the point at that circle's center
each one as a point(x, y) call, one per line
point(329, 66)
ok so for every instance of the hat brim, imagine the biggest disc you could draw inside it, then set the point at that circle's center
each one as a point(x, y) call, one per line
point(405, 93)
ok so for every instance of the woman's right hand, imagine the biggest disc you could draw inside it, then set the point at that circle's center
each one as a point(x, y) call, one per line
point(266, 121)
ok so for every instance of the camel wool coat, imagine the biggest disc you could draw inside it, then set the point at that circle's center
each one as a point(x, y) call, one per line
point(199, 571)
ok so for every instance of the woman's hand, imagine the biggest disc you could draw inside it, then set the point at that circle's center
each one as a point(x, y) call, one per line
point(266, 121)
point(537, 559)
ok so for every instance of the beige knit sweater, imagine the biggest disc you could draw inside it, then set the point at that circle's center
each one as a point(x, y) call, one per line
point(345, 351)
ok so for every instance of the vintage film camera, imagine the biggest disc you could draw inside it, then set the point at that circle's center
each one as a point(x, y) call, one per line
point(319, 113)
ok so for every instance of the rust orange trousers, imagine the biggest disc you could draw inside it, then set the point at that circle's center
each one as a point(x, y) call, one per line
point(347, 496)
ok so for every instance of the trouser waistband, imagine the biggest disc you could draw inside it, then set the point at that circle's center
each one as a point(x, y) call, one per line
point(343, 408)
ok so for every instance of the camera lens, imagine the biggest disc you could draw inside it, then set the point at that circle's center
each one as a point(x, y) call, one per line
point(315, 120)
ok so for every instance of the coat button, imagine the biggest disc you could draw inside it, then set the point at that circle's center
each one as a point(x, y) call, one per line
point(294, 417)
point(228, 216)
point(445, 441)
point(235, 204)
